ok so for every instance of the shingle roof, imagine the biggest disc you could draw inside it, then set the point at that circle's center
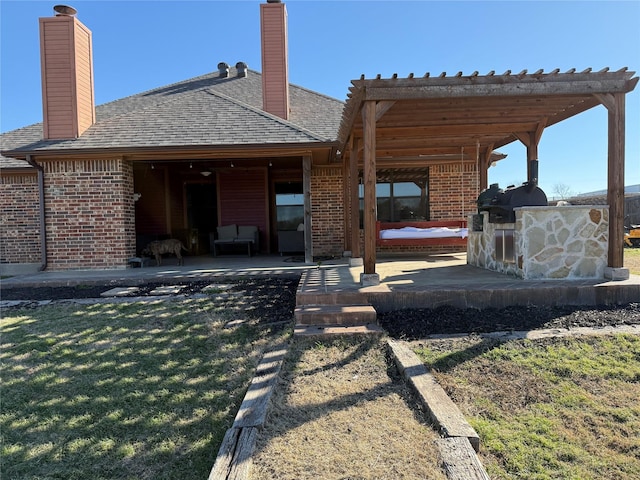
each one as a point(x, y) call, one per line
point(201, 111)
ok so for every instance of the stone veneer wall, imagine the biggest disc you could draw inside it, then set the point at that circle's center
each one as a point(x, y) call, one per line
point(569, 242)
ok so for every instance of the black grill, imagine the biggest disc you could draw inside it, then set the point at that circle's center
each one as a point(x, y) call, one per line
point(500, 203)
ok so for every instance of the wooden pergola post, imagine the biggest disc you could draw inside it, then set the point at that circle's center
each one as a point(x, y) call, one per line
point(615, 181)
point(531, 141)
point(532, 161)
point(369, 277)
point(483, 167)
point(615, 105)
point(346, 202)
point(306, 188)
point(354, 204)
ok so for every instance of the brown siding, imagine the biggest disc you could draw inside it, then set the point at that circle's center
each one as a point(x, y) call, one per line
point(327, 211)
point(151, 208)
point(90, 213)
point(275, 74)
point(177, 208)
point(243, 200)
point(67, 77)
point(20, 219)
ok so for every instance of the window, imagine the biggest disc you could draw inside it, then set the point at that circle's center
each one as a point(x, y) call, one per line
point(289, 205)
point(401, 195)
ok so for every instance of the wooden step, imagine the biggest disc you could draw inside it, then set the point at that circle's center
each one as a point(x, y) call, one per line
point(328, 330)
point(342, 315)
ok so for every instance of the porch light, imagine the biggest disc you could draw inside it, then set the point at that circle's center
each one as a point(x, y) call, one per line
point(205, 173)
point(232, 165)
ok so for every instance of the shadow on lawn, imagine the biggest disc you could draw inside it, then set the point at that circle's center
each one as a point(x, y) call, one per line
point(122, 391)
point(458, 357)
point(285, 417)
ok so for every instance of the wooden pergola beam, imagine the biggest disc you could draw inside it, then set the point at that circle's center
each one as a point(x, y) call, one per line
point(483, 167)
point(453, 89)
point(382, 108)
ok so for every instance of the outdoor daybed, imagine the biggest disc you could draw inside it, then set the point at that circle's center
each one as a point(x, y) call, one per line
point(437, 233)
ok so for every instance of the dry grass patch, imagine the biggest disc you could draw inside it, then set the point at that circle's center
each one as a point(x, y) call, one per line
point(341, 411)
point(632, 260)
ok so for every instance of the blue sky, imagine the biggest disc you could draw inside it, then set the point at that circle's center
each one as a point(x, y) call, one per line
point(140, 45)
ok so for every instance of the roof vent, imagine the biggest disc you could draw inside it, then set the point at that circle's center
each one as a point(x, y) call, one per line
point(64, 10)
point(242, 69)
point(223, 69)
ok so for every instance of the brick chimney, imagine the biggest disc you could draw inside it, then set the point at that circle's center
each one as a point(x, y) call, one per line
point(68, 103)
point(275, 64)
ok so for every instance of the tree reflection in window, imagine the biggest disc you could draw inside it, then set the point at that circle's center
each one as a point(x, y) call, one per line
point(401, 195)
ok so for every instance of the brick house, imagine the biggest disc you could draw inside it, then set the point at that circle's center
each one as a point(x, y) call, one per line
point(232, 146)
point(90, 185)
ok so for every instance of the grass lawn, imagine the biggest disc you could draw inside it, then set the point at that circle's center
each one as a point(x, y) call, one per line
point(556, 408)
point(123, 391)
point(632, 260)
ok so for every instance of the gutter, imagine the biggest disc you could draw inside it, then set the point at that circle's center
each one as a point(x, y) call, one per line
point(43, 232)
point(183, 151)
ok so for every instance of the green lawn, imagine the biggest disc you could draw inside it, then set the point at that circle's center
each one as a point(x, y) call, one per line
point(115, 391)
point(558, 408)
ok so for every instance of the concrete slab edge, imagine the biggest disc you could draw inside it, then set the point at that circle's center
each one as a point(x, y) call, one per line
point(330, 330)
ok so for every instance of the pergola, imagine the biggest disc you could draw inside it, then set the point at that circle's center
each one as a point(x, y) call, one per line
point(399, 121)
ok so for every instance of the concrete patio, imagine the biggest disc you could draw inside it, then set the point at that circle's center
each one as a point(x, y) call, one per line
point(405, 282)
point(447, 280)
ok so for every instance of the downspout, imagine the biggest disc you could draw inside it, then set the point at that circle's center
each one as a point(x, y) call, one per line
point(43, 232)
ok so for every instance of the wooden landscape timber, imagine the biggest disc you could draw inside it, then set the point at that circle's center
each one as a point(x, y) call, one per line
point(234, 456)
point(443, 412)
point(457, 448)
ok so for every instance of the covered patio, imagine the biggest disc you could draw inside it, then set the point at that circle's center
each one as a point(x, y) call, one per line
point(463, 119)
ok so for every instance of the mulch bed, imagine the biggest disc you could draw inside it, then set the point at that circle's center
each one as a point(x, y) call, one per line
point(272, 299)
point(419, 323)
